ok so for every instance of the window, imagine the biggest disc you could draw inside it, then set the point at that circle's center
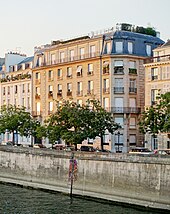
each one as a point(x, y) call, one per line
point(3, 90)
point(38, 108)
point(118, 67)
point(79, 70)
point(81, 53)
point(132, 140)
point(119, 47)
point(132, 64)
point(106, 67)
point(154, 73)
point(8, 89)
point(154, 142)
point(90, 69)
point(92, 51)
point(106, 86)
point(120, 121)
point(59, 88)
point(23, 101)
point(79, 102)
point(37, 76)
point(61, 56)
point(118, 139)
point(50, 89)
point(132, 123)
point(71, 55)
point(148, 50)
point(106, 103)
point(28, 87)
point(39, 61)
point(28, 103)
point(69, 72)
point(119, 87)
point(130, 47)
point(154, 95)
point(59, 73)
point(90, 87)
point(108, 48)
point(132, 86)
point(15, 89)
point(69, 87)
point(50, 75)
point(37, 90)
point(79, 88)
point(52, 58)
point(132, 102)
point(50, 106)
point(23, 88)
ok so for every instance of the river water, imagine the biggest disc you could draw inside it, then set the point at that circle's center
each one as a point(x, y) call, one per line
point(17, 200)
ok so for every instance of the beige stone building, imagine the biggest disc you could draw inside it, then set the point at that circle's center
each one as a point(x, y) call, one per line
point(16, 89)
point(106, 66)
point(157, 80)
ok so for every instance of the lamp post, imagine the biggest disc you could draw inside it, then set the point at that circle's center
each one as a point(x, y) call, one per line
point(118, 139)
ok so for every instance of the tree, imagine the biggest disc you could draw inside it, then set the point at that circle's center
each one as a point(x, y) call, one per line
point(75, 123)
point(17, 120)
point(156, 118)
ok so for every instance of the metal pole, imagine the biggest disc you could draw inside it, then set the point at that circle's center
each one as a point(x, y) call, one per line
point(72, 175)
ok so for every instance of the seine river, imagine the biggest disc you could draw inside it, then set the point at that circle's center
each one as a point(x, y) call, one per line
point(17, 200)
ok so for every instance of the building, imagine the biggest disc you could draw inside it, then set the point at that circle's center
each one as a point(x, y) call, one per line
point(16, 89)
point(107, 66)
point(157, 80)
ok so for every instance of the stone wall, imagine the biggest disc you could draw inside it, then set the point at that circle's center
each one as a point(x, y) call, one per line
point(124, 178)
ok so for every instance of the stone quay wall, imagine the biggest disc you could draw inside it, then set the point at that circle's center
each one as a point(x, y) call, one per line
point(131, 179)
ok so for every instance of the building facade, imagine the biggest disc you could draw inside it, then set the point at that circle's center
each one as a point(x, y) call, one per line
point(157, 81)
point(16, 89)
point(108, 67)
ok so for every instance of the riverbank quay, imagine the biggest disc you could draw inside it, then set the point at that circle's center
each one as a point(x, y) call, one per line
point(131, 179)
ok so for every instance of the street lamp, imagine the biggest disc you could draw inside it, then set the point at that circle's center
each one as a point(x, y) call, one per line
point(118, 139)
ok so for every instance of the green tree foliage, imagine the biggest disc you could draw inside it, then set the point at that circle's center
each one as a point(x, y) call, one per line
point(17, 120)
point(156, 118)
point(74, 123)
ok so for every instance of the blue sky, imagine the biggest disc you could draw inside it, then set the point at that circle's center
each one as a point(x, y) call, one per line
point(29, 23)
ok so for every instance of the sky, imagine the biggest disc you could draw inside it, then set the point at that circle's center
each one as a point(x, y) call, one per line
point(29, 23)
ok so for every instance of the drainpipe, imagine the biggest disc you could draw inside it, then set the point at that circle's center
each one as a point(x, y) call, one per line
point(101, 53)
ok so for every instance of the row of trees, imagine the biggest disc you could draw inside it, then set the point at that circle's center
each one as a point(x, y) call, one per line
point(71, 122)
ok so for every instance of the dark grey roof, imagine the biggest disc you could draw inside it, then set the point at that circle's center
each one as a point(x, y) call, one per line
point(2, 61)
point(166, 43)
point(26, 60)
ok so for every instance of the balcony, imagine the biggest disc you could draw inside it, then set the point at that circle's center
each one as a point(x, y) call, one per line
point(69, 76)
point(37, 81)
point(59, 77)
point(67, 59)
point(36, 113)
point(106, 90)
point(50, 112)
point(59, 94)
point(153, 102)
point(50, 94)
point(79, 74)
point(69, 93)
point(118, 90)
point(37, 96)
point(89, 73)
point(132, 71)
point(119, 70)
point(79, 93)
point(158, 59)
point(133, 90)
point(90, 92)
point(125, 110)
point(154, 77)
